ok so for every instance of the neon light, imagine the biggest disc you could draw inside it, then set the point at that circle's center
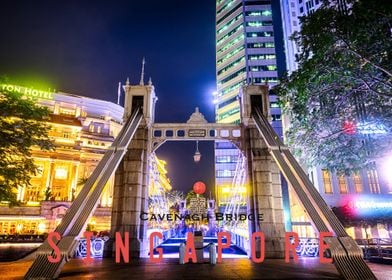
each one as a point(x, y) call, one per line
point(372, 204)
point(30, 92)
point(371, 128)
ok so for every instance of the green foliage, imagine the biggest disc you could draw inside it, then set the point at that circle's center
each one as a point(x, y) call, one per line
point(344, 75)
point(22, 127)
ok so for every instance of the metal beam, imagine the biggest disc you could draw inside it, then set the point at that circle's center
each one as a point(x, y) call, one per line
point(76, 218)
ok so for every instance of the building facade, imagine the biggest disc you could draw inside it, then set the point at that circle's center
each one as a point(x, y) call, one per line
point(82, 128)
point(247, 41)
point(363, 201)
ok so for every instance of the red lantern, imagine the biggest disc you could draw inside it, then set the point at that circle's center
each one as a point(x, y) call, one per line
point(199, 187)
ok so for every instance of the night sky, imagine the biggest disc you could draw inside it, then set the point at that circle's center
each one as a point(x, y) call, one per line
point(87, 47)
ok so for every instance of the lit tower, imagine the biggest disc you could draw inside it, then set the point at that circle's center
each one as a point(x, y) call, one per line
point(248, 50)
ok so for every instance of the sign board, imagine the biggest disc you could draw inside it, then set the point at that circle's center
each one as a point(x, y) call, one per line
point(197, 133)
point(30, 92)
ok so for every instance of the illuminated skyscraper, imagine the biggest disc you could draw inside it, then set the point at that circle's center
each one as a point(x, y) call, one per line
point(338, 190)
point(249, 47)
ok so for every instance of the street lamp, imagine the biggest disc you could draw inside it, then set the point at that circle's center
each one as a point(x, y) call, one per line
point(197, 155)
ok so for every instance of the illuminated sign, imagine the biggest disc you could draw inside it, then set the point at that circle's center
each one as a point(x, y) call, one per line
point(370, 206)
point(30, 92)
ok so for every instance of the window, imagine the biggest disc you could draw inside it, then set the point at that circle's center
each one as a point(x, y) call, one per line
point(229, 13)
point(233, 64)
point(263, 68)
point(226, 159)
point(265, 80)
point(274, 104)
point(231, 88)
point(342, 184)
point(269, 45)
point(61, 173)
point(230, 54)
point(99, 129)
point(373, 181)
point(357, 183)
point(91, 128)
point(232, 76)
point(227, 102)
point(223, 28)
point(259, 23)
point(229, 34)
point(301, 10)
point(261, 56)
point(327, 181)
point(265, 13)
point(66, 135)
point(229, 113)
point(67, 112)
point(225, 173)
point(260, 34)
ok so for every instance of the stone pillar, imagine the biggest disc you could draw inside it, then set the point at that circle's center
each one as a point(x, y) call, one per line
point(266, 195)
point(130, 197)
point(72, 190)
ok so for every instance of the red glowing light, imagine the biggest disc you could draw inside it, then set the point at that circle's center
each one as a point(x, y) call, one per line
point(199, 187)
point(349, 127)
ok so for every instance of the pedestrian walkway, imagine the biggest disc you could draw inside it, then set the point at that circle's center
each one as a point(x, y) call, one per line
point(171, 248)
point(306, 268)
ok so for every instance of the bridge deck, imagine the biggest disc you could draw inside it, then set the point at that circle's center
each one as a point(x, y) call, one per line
point(170, 269)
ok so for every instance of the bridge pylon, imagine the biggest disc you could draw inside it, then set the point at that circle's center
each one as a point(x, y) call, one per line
point(265, 191)
point(130, 195)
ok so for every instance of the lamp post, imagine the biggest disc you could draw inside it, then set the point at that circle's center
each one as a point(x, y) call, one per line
point(197, 155)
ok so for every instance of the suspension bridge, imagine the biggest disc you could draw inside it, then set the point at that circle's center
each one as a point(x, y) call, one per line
point(263, 158)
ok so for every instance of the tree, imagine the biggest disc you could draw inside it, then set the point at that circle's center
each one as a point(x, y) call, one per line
point(339, 99)
point(22, 127)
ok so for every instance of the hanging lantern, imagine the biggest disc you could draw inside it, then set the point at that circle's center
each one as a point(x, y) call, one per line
point(199, 187)
point(197, 155)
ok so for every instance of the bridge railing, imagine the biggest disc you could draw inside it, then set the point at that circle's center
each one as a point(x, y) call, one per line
point(240, 241)
point(167, 234)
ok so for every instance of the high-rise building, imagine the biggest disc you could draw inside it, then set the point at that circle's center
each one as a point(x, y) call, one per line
point(292, 10)
point(345, 194)
point(249, 49)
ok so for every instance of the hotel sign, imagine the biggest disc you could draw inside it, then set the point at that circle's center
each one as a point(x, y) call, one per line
point(30, 92)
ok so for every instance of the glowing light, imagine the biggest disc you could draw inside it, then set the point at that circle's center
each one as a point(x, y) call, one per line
point(41, 227)
point(215, 101)
point(386, 168)
point(214, 93)
point(61, 173)
point(225, 190)
point(371, 128)
point(30, 92)
point(349, 127)
point(19, 227)
point(199, 187)
point(372, 204)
